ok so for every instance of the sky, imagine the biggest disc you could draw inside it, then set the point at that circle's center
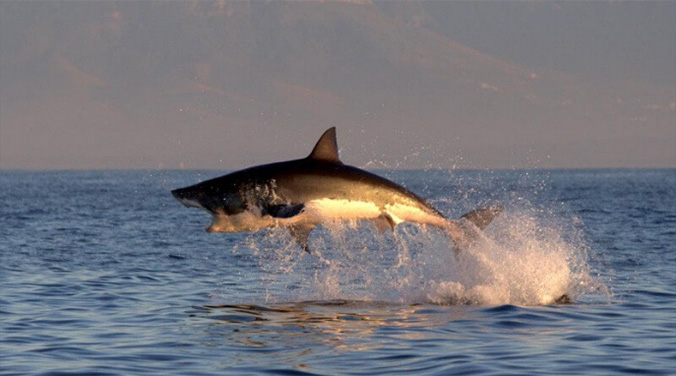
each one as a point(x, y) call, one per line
point(226, 85)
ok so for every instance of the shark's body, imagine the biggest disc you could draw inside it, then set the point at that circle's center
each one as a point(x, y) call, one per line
point(304, 193)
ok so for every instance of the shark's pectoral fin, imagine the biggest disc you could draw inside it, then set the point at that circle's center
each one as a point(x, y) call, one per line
point(284, 210)
point(564, 299)
point(301, 234)
point(481, 218)
point(383, 223)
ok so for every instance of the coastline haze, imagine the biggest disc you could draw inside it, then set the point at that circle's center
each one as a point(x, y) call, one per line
point(222, 85)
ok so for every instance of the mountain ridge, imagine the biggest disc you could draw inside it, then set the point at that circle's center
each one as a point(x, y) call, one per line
point(259, 66)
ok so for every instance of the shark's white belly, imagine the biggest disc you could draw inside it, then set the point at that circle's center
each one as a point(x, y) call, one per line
point(330, 209)
point(338, 209)
point(325, 210)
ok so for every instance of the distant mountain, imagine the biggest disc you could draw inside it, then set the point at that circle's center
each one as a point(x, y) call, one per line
point(187, 83)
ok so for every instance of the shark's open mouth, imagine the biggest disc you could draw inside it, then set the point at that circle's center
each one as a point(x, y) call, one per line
point(191, 203)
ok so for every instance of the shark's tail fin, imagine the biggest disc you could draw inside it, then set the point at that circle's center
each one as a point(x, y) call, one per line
point(467, 229)
point(481, 218)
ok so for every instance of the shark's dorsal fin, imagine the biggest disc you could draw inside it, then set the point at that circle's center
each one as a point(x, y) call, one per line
point(326, 148)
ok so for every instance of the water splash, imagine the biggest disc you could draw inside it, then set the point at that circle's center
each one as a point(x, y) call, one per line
point(534, 253)
point(520, 260)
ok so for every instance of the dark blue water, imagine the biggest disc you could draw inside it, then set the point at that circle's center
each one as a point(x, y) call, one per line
point(104, 273)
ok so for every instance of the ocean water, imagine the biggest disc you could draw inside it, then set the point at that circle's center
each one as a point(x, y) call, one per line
point(104, 273)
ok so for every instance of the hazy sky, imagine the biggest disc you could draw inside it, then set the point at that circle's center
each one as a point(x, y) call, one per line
point(225, 85)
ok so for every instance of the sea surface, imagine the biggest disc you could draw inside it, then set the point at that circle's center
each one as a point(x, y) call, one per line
point(104, 273)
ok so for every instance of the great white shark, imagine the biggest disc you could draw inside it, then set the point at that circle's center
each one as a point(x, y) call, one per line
point(303, 193)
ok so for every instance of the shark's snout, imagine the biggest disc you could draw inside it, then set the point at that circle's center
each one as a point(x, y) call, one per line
point(181, 195)
point(187, 197)
point(177, 193)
